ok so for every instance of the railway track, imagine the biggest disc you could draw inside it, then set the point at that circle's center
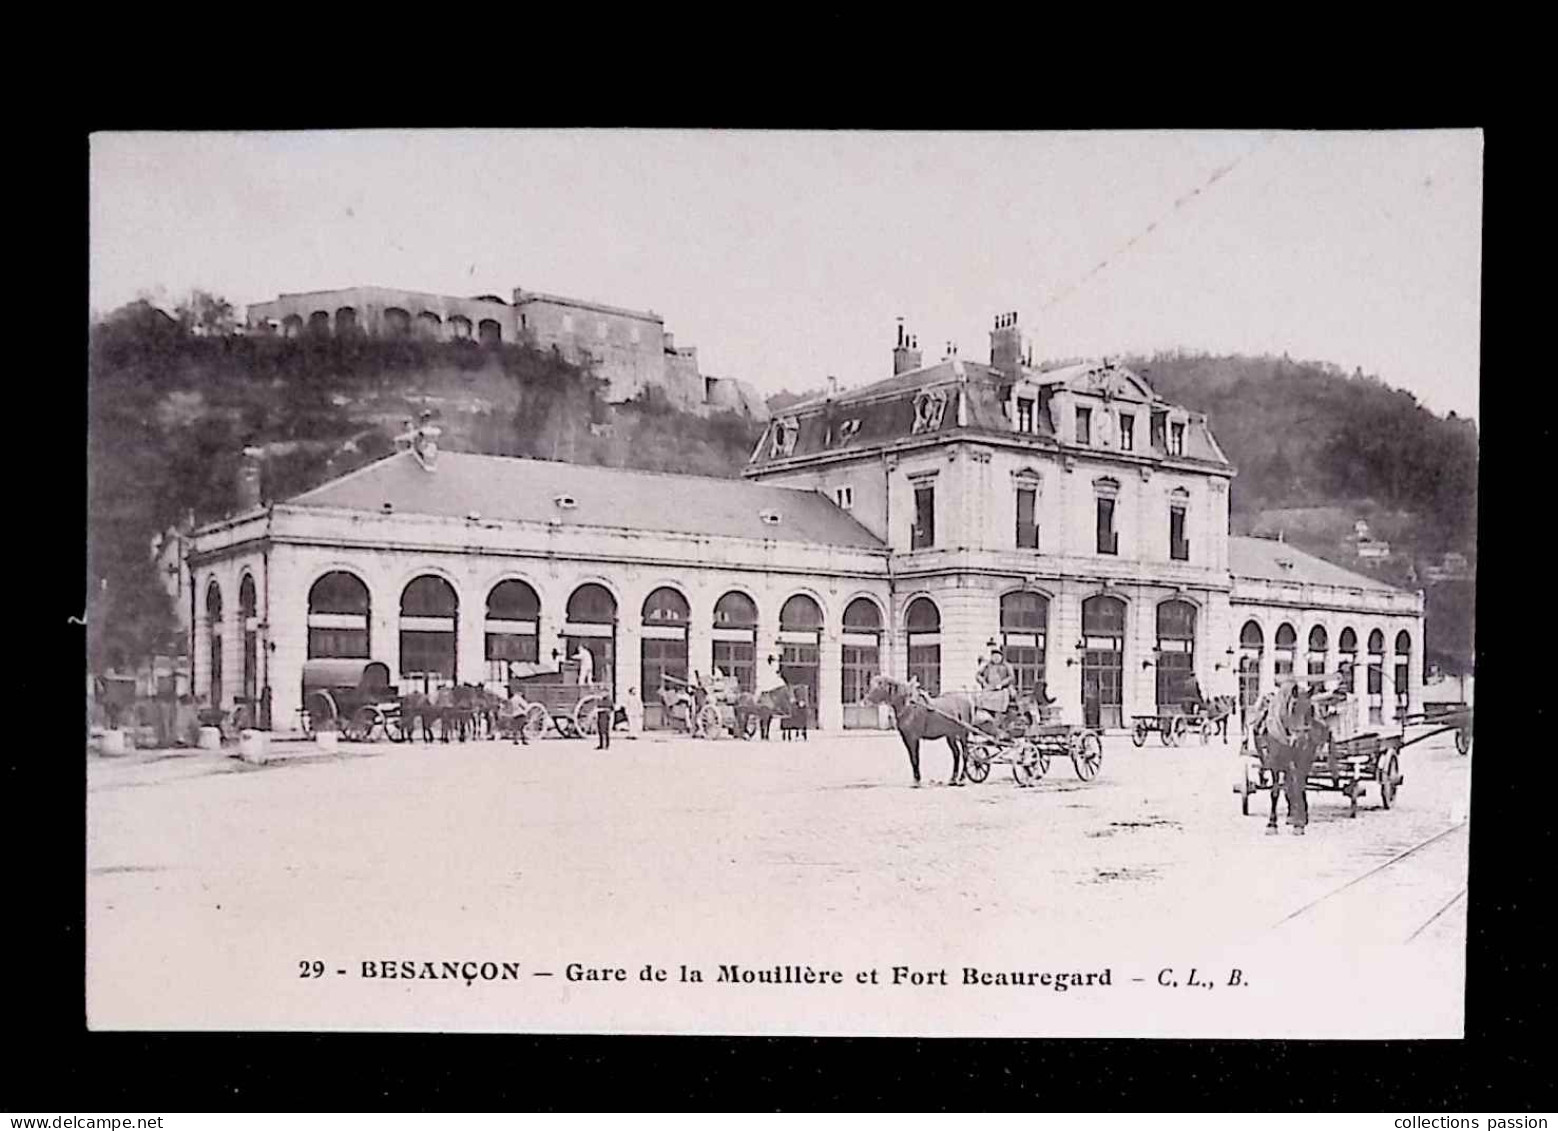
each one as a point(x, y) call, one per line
point(1397, 904)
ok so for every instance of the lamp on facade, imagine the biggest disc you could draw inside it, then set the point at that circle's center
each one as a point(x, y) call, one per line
point(1080, 646)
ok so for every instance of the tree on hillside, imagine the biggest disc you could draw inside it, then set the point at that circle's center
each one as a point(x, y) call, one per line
point(206, 315)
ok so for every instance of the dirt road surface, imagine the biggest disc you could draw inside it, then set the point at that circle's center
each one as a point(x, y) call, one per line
point(214, 885)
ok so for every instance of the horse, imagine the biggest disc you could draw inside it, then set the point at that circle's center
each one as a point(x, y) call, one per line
point(919, 717)
point(1287, 731)
point(765, 705)
point(1217, 710)
point(797, 719)
point(456, 712)
point(418, 708)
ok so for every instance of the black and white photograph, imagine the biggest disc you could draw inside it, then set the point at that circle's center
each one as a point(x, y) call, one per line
point(782, 583)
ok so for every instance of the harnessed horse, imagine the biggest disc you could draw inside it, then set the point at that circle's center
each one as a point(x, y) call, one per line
point(780, 701)
point(919, 717)
point(1286, 732)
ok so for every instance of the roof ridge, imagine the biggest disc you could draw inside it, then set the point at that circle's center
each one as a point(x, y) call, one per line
point(444, 453)
point(350, 475)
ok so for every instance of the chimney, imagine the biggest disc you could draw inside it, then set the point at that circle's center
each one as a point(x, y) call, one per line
point(670, 342)
point(906, 354)
point(1006, 345)
point(249, 479)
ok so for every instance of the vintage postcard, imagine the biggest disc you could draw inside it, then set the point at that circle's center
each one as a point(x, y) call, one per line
point(860, 583)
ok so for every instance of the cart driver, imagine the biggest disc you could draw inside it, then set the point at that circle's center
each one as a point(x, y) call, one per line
point(770, 680)
point(995, 681)
point(586, 665)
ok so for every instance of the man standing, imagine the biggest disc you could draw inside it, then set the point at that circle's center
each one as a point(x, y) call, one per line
point(586, 660)
point(605, 709)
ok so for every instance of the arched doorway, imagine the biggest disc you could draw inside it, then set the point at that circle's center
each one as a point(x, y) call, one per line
point(922, 624)
point(319, 324)
point(214, 641)
point(1103, 662)
point(248, 613)
point(513, 628)
point(1376, 687)
point(490, 332)
point(292, 326)
point(429, 632)
point(1287, 650)
point(862, 661)
point(1175, 664)
point(1403, 684)
point(735, 638)
point(592, 624)
point(663, 662)
point(1024, 623)
point(346, 322)
point(1252, 644)
point(338, 618)
point(459, 327)
point(430, 327)
point(1319, 642)
point(800, 647)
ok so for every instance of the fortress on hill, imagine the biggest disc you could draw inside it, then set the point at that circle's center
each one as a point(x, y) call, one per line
point(630, 349)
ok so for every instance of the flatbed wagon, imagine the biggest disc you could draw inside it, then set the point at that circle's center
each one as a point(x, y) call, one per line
point(1172, 726)
point(554, 695)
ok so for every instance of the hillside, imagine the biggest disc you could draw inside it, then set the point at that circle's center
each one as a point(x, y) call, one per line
point(171, 410)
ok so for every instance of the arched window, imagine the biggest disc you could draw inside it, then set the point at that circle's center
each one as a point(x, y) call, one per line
point(429, 626)
point(1103, 661)
point(1024, 624)
point(862, 660)
point(1318, 643)
point(346, 322)
point(1376, 676)
point(338, 618)
point(1286, 649)
point(735, 638)
point(397, 322)
point(1176, 660)
point(1252, 643)
point(800, 646)
point(592, 625)
point(922, 620)
point(1403, 682)
point(513, 627)
point(662, 651)
point(490, 332)
point(214, 640)
point(248, 610)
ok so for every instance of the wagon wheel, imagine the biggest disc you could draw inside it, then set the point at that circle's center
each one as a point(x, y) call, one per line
point(395, 728)
point(1388, 782)
point(565, 726)
point(1174, 733)
point(321, 712)
point(749, 726)
point(1087, 756)
point(1033, 766)
point(584, 714)
point(533, 723)
point(976, 767)
point(1206, 731)
point(1463, 740)
point(709, 724)
point(1139, 732)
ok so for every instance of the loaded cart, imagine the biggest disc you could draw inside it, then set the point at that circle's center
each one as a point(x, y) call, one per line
point(1173, 725)
point(554, 694)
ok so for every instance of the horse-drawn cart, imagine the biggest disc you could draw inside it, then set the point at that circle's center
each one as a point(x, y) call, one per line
point(555, 695)
point(1030, 751)
point(1440, 719)
point(1172, 725)
point(354, 697)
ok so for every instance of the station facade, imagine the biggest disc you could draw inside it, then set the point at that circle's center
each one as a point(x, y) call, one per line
point(1069, 515)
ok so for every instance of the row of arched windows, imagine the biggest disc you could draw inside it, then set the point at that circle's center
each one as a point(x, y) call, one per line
point(397, 323)
point(1252, 642)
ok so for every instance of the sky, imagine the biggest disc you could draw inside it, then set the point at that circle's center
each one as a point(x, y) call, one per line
point(787, 258)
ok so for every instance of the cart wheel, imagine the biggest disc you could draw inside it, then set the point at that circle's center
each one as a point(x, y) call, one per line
point(584, 714)
point(1387, 782)
point(359, 728)
point(535, 720)
point(749, 727)
point(1174, 733)
point(1087, 756)
point(1463, 741)
point(709, 724)
point(1139, 732)
point(1034, 765)
point(975, 768)
point(1206, 733)
point(320, 710)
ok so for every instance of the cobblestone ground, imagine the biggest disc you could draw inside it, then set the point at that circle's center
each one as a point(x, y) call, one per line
point(210, 880)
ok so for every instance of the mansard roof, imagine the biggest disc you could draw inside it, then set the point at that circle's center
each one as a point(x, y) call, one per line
point(1264, 559)
point(975, 403)
point(501, 488)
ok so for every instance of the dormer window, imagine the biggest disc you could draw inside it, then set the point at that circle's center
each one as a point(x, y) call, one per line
point(785, 434)
point(844, 497)
point(1176, 444)
point(1159, 437)
point(1025, 407)
point(1127, 431)
point(1084, 426)
point(847, 431)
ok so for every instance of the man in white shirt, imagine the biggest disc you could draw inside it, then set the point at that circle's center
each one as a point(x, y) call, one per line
point(586, 665)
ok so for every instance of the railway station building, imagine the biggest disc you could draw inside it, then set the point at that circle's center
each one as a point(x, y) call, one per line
point(1069, 515)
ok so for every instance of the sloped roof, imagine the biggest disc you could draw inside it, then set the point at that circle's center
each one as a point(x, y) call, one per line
point(524, 490)
point(884, 413)
point(1260, 557)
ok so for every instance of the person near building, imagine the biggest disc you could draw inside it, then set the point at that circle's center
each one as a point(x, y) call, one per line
point(632, 715)
point(586, 660)
point(770, 679)
point(995, 681)
point(605, 709)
